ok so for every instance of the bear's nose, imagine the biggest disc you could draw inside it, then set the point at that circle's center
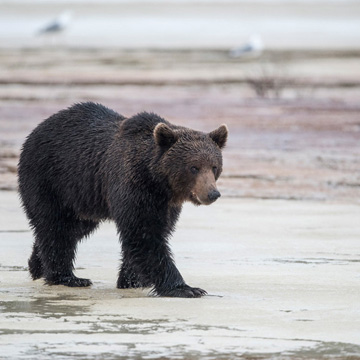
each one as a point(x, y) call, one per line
point(213, 195)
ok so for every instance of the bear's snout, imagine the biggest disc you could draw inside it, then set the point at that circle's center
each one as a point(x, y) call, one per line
point(204, 191)
point(213, 195)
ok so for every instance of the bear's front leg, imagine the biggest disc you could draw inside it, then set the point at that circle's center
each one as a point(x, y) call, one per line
point(159, 272)
point(147, 260)
point(128, 279)
point(152, 262)
point(145, 220)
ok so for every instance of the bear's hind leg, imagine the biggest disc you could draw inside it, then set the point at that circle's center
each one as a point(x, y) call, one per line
point(56, 238)
point(35, 265)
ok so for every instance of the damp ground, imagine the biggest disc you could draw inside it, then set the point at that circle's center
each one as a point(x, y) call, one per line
point(283, 279)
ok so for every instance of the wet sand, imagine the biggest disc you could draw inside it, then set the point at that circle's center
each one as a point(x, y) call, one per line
point(282, 278)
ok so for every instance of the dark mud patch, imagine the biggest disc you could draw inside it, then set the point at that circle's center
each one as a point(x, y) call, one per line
point(12, 268)
point(44, 307)
point(147, 327)
point(132, 351)
point(316, 261)
point(327, 350)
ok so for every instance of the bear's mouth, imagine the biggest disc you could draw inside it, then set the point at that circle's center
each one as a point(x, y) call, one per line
point(195, 199)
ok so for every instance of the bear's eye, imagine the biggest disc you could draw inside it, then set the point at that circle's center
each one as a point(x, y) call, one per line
point(194, 170)
point(214, 169)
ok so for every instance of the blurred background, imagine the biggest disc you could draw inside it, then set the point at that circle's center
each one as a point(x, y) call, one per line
point(283, 75)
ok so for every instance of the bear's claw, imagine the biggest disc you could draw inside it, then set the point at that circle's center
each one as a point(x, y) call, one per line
point(71, 281)
point(183, 291)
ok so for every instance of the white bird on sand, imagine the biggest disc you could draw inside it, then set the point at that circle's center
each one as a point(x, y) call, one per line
point(58, 24)
point(253, 48)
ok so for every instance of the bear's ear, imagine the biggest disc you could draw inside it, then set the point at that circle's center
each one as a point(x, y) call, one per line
point(164, 136)
point(220, 135)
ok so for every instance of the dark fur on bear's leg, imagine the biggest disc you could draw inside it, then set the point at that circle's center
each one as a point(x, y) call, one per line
point(56, 235)
point(129, 279)
point(35, 266)
point(139, 240)
point(58, 250)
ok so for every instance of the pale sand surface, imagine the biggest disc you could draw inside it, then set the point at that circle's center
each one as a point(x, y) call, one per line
point(283, 280)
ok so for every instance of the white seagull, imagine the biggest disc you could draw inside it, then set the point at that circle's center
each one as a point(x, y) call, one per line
point(253, 48)
point(58, 24)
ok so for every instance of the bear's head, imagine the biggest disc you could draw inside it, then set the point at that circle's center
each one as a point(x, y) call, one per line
point(191, 161)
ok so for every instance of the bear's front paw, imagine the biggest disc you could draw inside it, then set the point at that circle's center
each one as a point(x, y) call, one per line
point(183, 291)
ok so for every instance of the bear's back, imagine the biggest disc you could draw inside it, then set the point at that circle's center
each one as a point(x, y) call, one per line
point(64, 153)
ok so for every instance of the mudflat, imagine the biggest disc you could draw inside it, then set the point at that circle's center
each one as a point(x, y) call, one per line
point(293, 116)
point(282, 278)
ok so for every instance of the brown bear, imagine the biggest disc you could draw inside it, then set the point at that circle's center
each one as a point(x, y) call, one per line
point(87, 163)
